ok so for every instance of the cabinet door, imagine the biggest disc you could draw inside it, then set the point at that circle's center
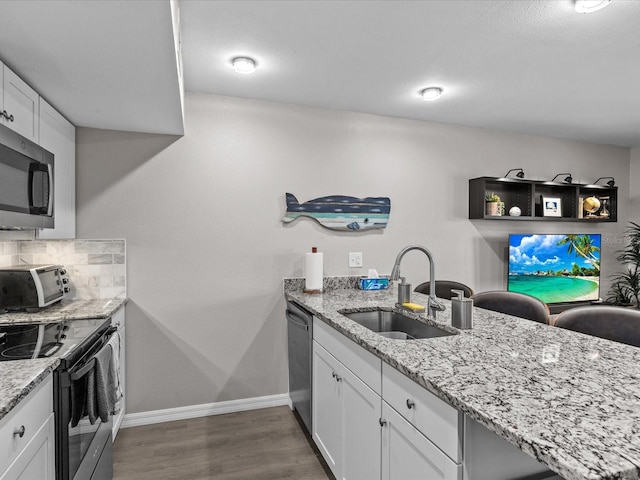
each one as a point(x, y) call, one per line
point(361, 429)
point(20, 102)
point(409, 455)
point(326, 402)
point(36, 461)
point(59, 137)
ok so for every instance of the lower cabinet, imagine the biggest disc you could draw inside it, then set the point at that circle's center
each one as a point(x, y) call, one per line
point(346, 416)
point(36, 460)
point(408, 455)
point(118, 321)
point(372, 422)
point(27, 437)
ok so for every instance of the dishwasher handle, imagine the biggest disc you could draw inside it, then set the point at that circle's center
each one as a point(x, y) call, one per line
point(294, 319)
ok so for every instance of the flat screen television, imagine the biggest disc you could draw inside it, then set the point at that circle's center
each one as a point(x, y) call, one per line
point(555, 268)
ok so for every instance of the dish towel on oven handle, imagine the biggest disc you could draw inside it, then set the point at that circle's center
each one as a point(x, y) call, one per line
point(115, 371)
point(99, 387)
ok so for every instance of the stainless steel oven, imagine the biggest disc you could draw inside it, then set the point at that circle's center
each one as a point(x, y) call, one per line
point(83, 430)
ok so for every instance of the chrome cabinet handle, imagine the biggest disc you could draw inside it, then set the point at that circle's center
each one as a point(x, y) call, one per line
point(19, 431)
point(7, 116)
point(382, 422)
point(410, 404)
point(336, 376)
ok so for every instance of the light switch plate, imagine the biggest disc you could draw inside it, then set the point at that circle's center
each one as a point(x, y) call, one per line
point(355, 259)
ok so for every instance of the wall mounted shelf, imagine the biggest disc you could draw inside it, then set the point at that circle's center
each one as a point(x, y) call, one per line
point(528, 195)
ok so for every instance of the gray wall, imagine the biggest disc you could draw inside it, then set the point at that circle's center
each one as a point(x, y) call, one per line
point(207, 251)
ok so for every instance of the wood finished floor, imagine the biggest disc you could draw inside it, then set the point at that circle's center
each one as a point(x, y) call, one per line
point(259, 444)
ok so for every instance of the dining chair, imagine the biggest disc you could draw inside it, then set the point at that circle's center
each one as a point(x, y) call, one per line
point(444, 287)
point(619, 324)
point(513, 303)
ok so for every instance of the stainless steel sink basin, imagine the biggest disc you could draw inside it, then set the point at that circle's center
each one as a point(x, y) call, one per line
point(395, 325)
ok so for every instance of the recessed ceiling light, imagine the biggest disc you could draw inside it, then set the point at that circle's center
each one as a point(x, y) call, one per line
point(431, 93)
point(244, 64)
point(588, 6)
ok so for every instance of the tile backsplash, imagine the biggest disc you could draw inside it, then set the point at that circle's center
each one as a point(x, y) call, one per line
point(96, 268)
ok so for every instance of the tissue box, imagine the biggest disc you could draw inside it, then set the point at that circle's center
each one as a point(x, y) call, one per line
point(374, 283)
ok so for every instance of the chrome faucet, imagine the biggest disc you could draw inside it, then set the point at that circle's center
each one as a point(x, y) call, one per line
point(433, 305)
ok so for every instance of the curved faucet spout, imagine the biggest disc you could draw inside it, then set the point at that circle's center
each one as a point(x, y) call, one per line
point(434, 305)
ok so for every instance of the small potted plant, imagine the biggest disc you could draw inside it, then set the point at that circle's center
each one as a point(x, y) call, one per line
point(493, 204)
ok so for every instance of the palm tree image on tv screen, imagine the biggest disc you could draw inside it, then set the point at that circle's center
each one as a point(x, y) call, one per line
point(555, 268)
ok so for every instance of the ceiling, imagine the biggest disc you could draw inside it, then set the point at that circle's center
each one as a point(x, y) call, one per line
point(529, 66)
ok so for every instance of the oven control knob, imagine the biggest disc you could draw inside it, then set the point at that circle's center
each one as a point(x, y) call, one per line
point(63, 271)
point(66, 289)
point(63, 336)
point(65, 281)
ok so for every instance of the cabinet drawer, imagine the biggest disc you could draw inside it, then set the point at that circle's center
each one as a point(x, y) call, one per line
point(434, 418)
point(31, 413)
point(366, 366)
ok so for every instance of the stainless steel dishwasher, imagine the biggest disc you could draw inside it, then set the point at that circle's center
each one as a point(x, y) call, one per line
point(300, 336)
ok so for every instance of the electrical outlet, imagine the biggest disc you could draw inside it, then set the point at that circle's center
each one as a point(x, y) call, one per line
point(355, 259)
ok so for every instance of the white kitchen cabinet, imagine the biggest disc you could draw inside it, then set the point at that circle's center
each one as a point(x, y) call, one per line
point(27, 437)
point(409, 455)
point(20, 102)
point(118, 321)
point(58, 136)
point(345, 411)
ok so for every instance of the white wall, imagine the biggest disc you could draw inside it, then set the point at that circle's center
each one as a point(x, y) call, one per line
point(206, 249)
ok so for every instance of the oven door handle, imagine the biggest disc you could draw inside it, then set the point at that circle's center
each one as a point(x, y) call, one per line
point(82, 371)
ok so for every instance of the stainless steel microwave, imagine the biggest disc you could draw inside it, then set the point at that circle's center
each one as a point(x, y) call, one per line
point(26, 183)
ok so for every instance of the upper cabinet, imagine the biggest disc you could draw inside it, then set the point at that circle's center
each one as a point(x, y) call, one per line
point(540, 200)
point(19, 105)
point(58, 136)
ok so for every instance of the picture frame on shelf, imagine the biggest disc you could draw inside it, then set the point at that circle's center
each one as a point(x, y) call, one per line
point(551, 206)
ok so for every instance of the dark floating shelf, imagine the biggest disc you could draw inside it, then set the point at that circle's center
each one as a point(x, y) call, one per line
point(528, 196)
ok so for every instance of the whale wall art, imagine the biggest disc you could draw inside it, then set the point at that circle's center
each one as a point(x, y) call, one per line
point(339, 212)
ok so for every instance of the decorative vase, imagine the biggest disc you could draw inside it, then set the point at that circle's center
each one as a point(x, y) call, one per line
point(493, 209)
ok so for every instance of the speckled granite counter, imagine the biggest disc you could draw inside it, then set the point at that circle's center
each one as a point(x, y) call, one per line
point(18, 378)
point(570, 400)
point(66, 310)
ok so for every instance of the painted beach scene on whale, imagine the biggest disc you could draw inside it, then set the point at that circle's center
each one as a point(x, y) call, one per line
point(341, 212)
point(555, 268)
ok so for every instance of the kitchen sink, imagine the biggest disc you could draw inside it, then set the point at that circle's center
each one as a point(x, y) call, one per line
point(396, 325)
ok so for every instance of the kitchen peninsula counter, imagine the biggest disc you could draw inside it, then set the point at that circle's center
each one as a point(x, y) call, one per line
point(570, 400)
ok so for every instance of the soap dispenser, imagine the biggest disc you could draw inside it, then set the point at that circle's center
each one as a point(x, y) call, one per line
point(461, 311)
point(404, 292)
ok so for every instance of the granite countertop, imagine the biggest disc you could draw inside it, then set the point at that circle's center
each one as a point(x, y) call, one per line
point(66, 310)
point(19, 377)
point(570, 400)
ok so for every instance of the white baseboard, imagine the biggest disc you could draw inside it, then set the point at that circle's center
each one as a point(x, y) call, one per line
point(204, 410)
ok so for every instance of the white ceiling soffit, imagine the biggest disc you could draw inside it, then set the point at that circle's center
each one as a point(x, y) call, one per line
point(530, 66)
point(102, 64)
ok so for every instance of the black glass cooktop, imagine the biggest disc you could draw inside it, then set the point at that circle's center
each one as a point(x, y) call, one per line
point(20, 342)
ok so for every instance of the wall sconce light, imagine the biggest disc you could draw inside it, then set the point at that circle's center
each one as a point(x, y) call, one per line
point(520, 173)
point(611, 181)
point(567, 179)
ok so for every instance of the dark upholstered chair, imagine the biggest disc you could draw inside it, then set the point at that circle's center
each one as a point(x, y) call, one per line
point(443, 288)
point(512, 303)
point(613, 323)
